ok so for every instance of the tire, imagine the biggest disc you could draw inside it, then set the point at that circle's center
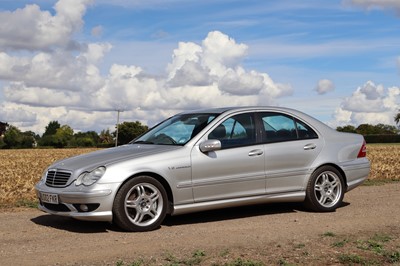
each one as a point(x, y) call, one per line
point(140, 204)
point(325, 190)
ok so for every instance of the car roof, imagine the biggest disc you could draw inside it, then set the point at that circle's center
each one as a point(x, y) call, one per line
point(230, 110)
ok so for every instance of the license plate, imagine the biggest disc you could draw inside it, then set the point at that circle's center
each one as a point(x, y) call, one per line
point(49, 198)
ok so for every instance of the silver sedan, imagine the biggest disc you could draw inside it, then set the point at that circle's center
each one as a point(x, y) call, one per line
point(208, 159)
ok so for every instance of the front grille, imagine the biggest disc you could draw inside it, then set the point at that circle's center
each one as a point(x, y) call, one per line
point(57, 178)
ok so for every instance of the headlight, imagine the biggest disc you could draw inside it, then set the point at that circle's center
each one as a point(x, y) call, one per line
point(89, 178)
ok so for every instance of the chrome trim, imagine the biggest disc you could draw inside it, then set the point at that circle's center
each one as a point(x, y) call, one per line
point(227, 180)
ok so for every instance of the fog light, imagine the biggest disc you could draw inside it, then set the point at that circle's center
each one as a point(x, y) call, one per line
point(84, 207)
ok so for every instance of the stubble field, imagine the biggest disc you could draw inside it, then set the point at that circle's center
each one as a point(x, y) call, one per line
point(21, 169)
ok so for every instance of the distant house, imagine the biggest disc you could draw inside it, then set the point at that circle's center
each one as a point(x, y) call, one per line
point(3, 128)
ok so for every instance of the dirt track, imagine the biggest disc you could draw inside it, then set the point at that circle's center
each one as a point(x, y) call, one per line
point(30, 237)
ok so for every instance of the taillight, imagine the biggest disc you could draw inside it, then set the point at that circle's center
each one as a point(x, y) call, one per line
point(363, 151)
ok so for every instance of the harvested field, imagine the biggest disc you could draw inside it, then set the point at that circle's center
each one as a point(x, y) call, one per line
point(385, 161)
point(21, 169)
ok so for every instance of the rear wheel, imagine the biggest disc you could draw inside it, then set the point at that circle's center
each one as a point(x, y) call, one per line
point(140, 205)
point(325, 189)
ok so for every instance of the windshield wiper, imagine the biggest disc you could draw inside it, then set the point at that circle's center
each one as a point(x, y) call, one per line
point(142, 142)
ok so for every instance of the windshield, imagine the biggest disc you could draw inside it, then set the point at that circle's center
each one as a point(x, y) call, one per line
point(177, 130)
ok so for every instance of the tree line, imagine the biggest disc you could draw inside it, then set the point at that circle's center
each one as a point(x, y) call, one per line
point(62, 136)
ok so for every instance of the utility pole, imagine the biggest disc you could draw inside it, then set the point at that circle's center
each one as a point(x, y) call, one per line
point(116, 137)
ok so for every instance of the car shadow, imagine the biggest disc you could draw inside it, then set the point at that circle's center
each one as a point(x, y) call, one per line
point(233, 213)
point(238, 213)
point(77, 226)
point(73, 225)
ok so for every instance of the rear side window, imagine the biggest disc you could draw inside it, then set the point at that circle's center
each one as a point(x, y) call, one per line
point(280, 127)
point(304, 131)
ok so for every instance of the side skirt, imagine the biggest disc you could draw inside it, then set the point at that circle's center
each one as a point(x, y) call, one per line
point(297, 196)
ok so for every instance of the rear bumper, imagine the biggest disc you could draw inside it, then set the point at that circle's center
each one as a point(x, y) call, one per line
point(356, 172)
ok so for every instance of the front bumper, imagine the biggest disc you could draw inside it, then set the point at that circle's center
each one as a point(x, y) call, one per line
point(92, 203)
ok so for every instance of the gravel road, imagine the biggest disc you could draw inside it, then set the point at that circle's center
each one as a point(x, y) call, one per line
point(30, 237)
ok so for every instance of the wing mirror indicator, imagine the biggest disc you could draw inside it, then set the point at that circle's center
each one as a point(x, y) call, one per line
point(210, 145)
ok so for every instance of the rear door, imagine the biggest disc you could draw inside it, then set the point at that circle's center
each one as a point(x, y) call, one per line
point(291, 146)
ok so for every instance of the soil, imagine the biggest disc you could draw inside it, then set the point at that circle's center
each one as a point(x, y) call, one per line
point(269, 234)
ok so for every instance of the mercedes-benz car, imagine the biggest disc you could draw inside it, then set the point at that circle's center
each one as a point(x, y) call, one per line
point(208, 159)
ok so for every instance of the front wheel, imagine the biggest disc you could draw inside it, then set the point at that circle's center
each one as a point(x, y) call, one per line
point(140, 205)
point(325, 190)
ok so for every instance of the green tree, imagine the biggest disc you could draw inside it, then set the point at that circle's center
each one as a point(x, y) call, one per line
point(106, 137)
point(397, 118)
point(2, 144)
point(348, 128)
point(48, 137)
point(28, 139)
point(127, 131)
point(85, 139)
point(63, 136)
point(12, 137)
point(379, 129)
point(51, 128)
point(386, 129)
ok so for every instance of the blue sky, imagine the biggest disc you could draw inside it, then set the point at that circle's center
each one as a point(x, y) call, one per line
point(76, 61)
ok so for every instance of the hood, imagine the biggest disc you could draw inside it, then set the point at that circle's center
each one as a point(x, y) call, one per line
point(89, 161)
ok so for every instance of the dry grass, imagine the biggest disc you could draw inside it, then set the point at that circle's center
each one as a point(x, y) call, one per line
point(21, 169)
point(385, 161)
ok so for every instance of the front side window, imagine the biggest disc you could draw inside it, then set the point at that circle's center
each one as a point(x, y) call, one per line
point(238, 130)
point(177, 130)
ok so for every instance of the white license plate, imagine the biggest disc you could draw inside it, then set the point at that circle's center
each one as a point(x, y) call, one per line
point(49, 198)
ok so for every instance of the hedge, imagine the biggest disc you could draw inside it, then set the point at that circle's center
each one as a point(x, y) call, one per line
point(382, 138)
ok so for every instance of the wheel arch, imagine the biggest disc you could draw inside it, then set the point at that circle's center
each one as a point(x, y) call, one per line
point(163, 182)
point(339, 169)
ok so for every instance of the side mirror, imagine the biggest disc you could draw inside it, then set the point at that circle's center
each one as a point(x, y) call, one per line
point(210, 145)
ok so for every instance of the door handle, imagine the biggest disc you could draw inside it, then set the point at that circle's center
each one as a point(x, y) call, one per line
point(256, 152)
point(310, 146)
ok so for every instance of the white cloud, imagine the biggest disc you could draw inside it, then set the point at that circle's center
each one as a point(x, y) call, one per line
point(217, 77)
point(324, 86)
point(370, 103)
point(53, 82)
point(376, 4)
point(36, 96)
point(32, 29)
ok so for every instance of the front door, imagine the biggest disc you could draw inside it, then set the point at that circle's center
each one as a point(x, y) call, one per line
point(237, 170)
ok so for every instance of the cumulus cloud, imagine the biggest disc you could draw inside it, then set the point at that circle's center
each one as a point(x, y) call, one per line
point(370, 103)
point(32, 29)
point(212, 70)
point(53, 82)
point(376, 4)
point(324, 86)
